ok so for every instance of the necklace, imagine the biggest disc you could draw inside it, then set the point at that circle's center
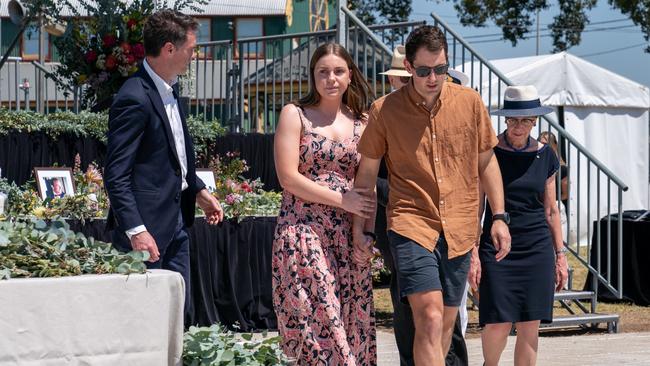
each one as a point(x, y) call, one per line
point(505, 138)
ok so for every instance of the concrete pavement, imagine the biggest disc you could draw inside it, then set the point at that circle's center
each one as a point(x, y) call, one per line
point(591, 350)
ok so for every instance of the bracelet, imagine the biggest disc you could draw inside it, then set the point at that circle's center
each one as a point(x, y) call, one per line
point(370, 234)
point(561, 251)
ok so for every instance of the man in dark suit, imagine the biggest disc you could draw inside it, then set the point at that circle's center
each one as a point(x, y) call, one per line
point(150, 174)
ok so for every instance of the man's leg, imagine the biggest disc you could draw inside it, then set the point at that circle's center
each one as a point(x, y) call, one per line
point(418, 277)
point(457, 355)
point(403, 325)
point(403, 328)
point(177, 258)
point(428, 319)
point(453, 275)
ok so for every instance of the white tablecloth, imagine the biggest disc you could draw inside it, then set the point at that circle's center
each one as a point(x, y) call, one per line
point(92, 320)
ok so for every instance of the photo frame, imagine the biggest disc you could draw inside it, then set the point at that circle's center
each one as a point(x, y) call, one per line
point(207, 176)
point(54, 182)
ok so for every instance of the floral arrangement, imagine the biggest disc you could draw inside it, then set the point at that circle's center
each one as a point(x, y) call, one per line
point(90, 200)
point(240, 196)
point(380, 273)
point(100, 51)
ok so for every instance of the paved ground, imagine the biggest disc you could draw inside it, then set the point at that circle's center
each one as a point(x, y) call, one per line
point(592, 350)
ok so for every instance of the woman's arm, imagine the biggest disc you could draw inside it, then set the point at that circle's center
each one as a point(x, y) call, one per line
point(286, 153)
point(553, 219)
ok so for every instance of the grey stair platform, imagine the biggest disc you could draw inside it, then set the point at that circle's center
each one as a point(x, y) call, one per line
point(573, 295)
point(582, 319)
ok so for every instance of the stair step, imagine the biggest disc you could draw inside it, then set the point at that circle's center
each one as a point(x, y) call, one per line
point(579, 319)
point(573, 295)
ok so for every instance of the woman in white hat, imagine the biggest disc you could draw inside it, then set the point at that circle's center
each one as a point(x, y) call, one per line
point(397, 74)
point(519, 287)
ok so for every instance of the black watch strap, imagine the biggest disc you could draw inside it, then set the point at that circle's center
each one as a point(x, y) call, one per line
point(505, 217)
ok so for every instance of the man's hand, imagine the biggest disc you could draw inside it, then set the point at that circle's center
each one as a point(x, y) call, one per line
point(474, 277)
point(501, 239)
point(145, 242)
point(211, 207)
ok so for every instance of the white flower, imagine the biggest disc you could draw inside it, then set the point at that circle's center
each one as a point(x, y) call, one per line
point(124, 71)
point(101, 62)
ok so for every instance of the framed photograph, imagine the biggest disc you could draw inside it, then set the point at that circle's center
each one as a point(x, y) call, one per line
point(54, 182)
point(207, 176)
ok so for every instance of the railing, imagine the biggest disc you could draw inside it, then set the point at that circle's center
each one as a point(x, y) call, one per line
point(19, 88)
point(585, 171)
point(246, 84)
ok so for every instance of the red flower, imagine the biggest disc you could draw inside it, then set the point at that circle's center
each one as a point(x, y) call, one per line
point(111, 62)
point(109, 40)
point(131, 24)
point(126, 47)
point(246, 187)
point(137, 50)
point(130, 59)
point(90, 56)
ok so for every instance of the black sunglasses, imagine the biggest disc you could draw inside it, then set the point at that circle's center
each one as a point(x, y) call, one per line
point(424, 71)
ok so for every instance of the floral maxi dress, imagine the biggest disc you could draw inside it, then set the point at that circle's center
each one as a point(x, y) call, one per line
point(323, 301)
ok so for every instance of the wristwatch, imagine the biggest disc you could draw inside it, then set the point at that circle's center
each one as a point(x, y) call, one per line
point(505, 217)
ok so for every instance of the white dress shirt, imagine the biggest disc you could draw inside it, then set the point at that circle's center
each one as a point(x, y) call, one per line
point(173, 115)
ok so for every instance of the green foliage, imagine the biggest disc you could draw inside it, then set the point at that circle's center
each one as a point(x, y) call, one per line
point(515, 18)
point(216, 345)
point(95, 125)
point(35, 249)
point(639, 13)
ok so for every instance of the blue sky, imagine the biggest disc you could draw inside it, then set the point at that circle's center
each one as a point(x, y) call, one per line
point(632, 62)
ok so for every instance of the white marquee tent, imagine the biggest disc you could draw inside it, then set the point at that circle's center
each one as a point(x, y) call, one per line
point(605, 112)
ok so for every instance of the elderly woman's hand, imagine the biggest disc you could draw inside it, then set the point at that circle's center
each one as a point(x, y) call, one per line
point(561, 271)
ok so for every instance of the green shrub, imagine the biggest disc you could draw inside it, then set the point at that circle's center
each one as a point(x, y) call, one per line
point(217, 346)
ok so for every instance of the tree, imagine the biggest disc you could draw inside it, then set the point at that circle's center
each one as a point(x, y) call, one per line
point(515, 17)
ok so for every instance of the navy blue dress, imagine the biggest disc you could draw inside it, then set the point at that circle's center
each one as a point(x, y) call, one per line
point(520, 287)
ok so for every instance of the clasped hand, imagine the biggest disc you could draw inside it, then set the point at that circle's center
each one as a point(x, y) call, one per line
point(359, 201)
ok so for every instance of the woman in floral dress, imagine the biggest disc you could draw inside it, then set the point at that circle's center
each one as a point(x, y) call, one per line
point(322, 298)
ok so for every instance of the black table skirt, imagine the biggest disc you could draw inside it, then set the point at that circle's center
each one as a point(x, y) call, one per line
point(230, 271)
point(636, 252)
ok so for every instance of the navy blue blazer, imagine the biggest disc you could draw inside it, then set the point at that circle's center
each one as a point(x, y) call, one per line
point(142, 173)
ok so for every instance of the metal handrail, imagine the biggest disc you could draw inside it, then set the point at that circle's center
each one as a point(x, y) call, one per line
point(553, 123)
point(50, 75)
point(366, 30)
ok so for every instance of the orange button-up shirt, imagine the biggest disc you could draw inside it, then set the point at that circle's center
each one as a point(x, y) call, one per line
point(432, 160)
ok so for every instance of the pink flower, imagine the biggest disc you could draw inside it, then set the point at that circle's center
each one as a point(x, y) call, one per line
point(126, 48)
point(90, 57)
point(137, 50)
point(109, 40)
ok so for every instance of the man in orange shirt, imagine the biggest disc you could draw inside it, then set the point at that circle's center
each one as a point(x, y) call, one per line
point(437, 140)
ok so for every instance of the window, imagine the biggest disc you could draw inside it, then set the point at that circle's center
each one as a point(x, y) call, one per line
point(250, 27)
point(30, 43)
point(204, 34)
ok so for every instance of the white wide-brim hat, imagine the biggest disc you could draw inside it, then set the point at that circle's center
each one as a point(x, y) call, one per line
point(397, 67)
point(460, 77)
point(522, 101)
